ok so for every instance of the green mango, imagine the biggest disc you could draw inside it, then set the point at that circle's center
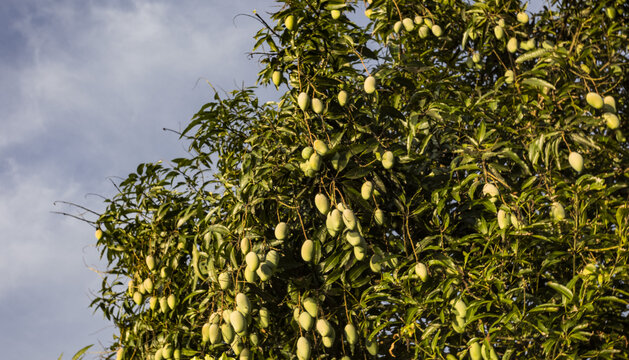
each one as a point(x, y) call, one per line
point(371, 346)
point(342, 97)
point(370, 84)
point(138, 298)
point(150, 262)
point(335, 14)
point(460, 309)
point(167, 351)
point(310, 305)
point(172, 301)
point(366, 190)
point(611, 120)
point(281, 231)
point(359, 252)
point(303, 101)
point(594, 100)
point(307, 250)
point(250, 275)
point(243, 304)
point(224, 281)
point(397, 27)
point(315, 162)
point(317, 105)
point(307, 152)
point(424, 31)
point(379, 217)
point(408, 24)
point(303, 349)
point(252, 260)
point(305, 321)
point(388, 160)
point(609, 104)
point(512, 45)
point(227, 332)
point(163, 304)
point(322, 203)
point(499, 32)
point(557, 211)
point(349, 219)
point(422, 271)
point(205, 332)
point(503, 219)
point(153, 302)
point(321, 147)
point(351, 335)
point(576, 161)
point(277, 78)
point(238, 321)
point(375, 263)
point(335, 220)
point(98, 234)
point(148, 285)
point(354, 238)
point(475, 351)
point(272, 259)
point(264, 317)
point(265, 271)
point(436, 30)
point(324, 328)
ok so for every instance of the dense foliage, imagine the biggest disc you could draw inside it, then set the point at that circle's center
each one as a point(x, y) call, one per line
point(438, 179)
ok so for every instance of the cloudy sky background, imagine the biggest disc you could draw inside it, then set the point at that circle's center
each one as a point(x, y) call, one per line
point(85, 90)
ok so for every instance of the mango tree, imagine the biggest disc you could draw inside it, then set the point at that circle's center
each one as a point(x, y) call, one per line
point(437, 180)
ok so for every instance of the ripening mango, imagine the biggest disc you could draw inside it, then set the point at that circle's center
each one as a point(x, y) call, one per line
point(522, 17)
point(388, 160)
point(366, 190)
point(408, 24)
point(98, 234)
point(397, 27)
point(351, 335)
point(310, 305)
point(303, 349)
point(243, 304)
point(305, 321)
point(424, 31)
point(335, 14)
point(499, 32)
point(422, 271)
point(349, 219)
point(436, 30)
point(289, 22)
point(277, 78)
point(611, 120)
point(321, 147)
point(512, 45)
point(252, 260)
point(238, 321)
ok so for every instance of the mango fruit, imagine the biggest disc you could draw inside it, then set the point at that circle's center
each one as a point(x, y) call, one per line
point(317, 105)
point(509, 77)
point(422, 271)
point(475, 351)
point(98, 234)
point(342, 97)
point(307, 251)
point(264, 317)
point(167, 351)
point(303, 101)
point(243, 304)
point(379, 217)
point(351, 335)
point(512, 45)
point(137, 298)
point(436, 30)
point(307, 152)
point(522, 17)
point(264, 271)
point(322, 203)
point(335, 220)
point(397, 27)
point(303, 349)
point(172, 301)
point(238, 321)
point(272, 259)
point(252, 260)
point(609, 104)
point(321, 147)
point(251, 275)
point(324, 328)
point(281, 231)
point(305, 321)
point(354, 238)
point(372, 347)
point(366, 190)
point(148, 285)
point(214, 334)
point(153, 302)
point(276, 78)
point(163, 304)
point(289, 22)
point(499, 32)
point(335, 14)
point(359, 252)
point(388, 160)
point(370, 84)
point(503, 219)
point(460, 308)
point(375, 263)
point(611, 120)
point(576, 161)
point(227, 332)
point(557, 211)
point(224, 281)
point(310, 305)
point(424, 31)
point(349, 219)
point(594, 100)
point(408, 24)
point(492, 191)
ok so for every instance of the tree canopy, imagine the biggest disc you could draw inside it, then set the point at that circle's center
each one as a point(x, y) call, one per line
point(438, 179)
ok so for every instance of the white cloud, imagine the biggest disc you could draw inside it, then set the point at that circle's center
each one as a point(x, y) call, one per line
point(95, 84)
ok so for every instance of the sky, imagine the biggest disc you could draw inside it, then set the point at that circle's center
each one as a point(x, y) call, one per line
point(86, 88)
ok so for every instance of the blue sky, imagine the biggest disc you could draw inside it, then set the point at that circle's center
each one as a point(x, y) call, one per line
point(86, 88)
